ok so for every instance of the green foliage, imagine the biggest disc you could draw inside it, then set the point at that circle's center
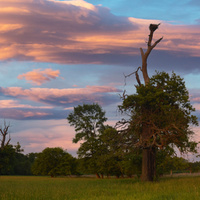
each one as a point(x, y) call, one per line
point(132, 164)
point(161, 113)
point(7, 155)
point(168, 162)
point(18, 148)
point(88, 121)
point(13, 162)
point(103, 149)
point(53, 162)
point(194, 167)
point(113, 157)
point(109, 152)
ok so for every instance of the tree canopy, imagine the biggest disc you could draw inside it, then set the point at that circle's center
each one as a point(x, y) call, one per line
point(163, 108)
point(88, 120)
point(53, 162)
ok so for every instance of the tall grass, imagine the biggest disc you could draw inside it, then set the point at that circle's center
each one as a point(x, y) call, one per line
point(45, 188)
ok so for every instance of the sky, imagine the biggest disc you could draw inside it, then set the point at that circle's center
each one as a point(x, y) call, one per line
point(55, 55)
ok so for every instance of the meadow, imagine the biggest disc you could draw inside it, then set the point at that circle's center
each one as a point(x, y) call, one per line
point(46, 188)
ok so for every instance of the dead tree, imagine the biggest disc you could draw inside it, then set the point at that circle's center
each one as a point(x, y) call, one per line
point(145, 55)
point(4, 133)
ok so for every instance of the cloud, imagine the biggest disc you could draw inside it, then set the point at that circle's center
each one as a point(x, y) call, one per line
point(16, 104)
point(24, 114)
point(58, 102)
point(62, 97)
point(14, 109)
point(37, 135)
point(194, 95)
point(79, 32)
point(50, 28)
point(37, 76)
point(79, 3)
point(196, 99)
point(197, 105)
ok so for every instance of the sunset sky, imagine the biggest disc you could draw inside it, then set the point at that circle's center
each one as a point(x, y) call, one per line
point(55, 55)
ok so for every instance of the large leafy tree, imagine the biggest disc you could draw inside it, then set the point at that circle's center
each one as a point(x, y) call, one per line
point(88, 120)
point(160, 114)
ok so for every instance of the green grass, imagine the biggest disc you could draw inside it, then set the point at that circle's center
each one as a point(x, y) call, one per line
point(45, 188)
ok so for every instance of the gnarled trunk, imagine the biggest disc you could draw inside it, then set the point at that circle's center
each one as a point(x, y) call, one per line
point(97, 175)
point(148, 164)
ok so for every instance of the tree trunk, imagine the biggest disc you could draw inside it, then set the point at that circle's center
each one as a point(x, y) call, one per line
point(97, 175)
point(148, 164)
point(148, 153)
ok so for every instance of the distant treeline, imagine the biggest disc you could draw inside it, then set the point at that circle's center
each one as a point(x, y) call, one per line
point(57, 162)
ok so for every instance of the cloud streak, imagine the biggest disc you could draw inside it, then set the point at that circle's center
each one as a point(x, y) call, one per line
point(79, 32)
point(25, 114)
point(56, 102)
point(16, 104)
point(51, 133)
point(62, 97)
point(38, 77)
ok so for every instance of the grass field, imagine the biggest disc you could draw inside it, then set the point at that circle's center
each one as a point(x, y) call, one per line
point(46, 188)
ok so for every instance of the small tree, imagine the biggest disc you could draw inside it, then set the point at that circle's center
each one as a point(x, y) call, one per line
point(88, 120)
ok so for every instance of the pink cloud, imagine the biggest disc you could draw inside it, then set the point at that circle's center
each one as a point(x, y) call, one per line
point(194, 94)
point(62, 96)
point(79, 3)
point(16, 104)
point(196, 106)
point(196, 99)
point(23, 114)
point(48, 133)
point(37, 76)
point(94, 32)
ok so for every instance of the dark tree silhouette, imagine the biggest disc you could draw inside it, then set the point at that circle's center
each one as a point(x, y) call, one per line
point(4, 133)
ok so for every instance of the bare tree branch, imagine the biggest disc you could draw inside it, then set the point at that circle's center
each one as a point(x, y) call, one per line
point(136, 75)
point(4, 133)
point(145, 55)
point(156, 42)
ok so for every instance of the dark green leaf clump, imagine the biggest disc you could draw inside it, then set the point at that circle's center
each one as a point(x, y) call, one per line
point(54, 162)
point(161, 113)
